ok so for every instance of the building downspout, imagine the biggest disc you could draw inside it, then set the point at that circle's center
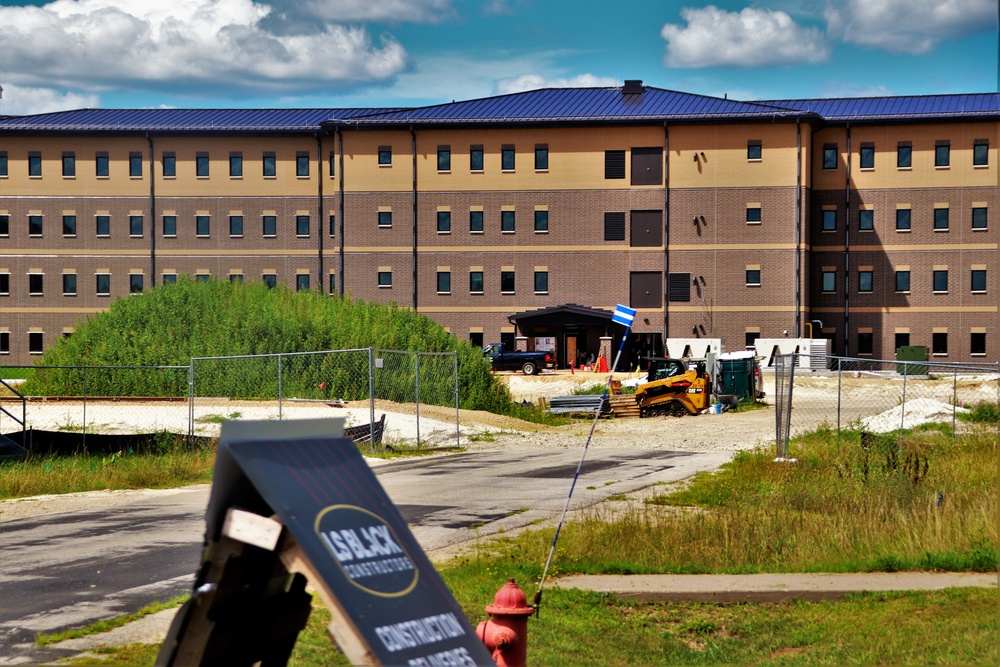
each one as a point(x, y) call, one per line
point(152, 213)
point(319, 210)
point(340, 207)
point(798, 227)
point(847, 249)
point(666, 236)
point(413, 141)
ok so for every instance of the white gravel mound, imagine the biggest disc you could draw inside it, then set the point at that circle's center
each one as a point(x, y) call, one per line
point(918, 411)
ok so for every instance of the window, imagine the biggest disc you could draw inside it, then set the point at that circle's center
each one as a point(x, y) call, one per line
point(384, 156)
point(270, 279)
point(475, 282)
point(4, 284)
point(170, 225)
point(981, 153)
point(103, 284)
point(236, 165)
point(302, 225)
point(444, 222)
point(202, 277)
point(866, 220)
point(135, 225)
point(476, 157)
point(904, 155)
point(541, 282)
point(902, 281)
point(333, 166)
point(444, 282)
point(34, 225)
point(201, 165)
point(444, 158)
point(69, 284)
point(750, 338)
point(270, 225)
point(4, 342)
point(302, 282)
point(506, 282)
point(3, 164)
point(830, 156)
point(753, 215)
point(476, 222)
point(978, 280)
point(333, 224)
point(135, 165)
point(385, 279)
point(647, 166)
point(829, 281)
point(135, 281)
point(270, 166)
point(614, 164)
point(507, 157)
point(35, 342)
point(236, 225)
point(169, 165)
point(939, 342)
point(679, 287)
point(202, 225)
point(753, 276)
point(942, 154)
point(302, 165)
point(34, 164)
point(867, 156)
point(645, 289)
point(614, 226)
point(69, 165)
point(385, 218)
point(333, 283)
point(940, 280)
point(236, 278)
point(541, 222)
point(902, 219)
point(829, 221)
point(753, 149)
point(69, 225)
point(4, 224)
point(865, 342)
point(36, 284)
point(542, 157)
point(977, 342)
point(169, 278)
point(940, 219)
point(507, 222)
point(866, 280)
point(103, 223)
point(979, 217)
point(901, 339)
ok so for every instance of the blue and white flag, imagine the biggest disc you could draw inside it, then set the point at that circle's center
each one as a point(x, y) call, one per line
point(623, 315)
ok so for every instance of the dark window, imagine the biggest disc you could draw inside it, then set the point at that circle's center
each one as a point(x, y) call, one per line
point(135, 281)
point(302, 282)
point(753, 214)
point(35, 342)
point(103, 165)
point(829, 221)
point(902, 219)
point(614, 164)
point(201, 165)
point(614, 226)
point(865, 343)
point(5, 284)
point(941, 280)
point(302, 225)
point(866, 281)
point(444, 158)
point(866, 220)
point(753, 276)
point(69, 284)
point(475, 221)
point(69, 225)
point(902, 281)
point(647, 229)
point(867, 156)
point(333, 167)
point(902, 340)
point(236, 278)
point(385, 278)
point(236, 165)
point(270, 225)
point(904, 155)
point(979, 217)
point(69, 165)
point(444, 221)
point(978, 280)
point(302, 165)
point(270, 165)
point(333, 225)
point(385, 155)
point(830, 156)
point(3, 163)
point(506, 282)
point(444, 282)
point(981, 153)
point(333, 283)
point(541, 282)
point(202, 225)
point(647, 166)
point(541, 157)
point(750, 337)
point(645, 289)
point(34, 225)
point(507, 221)
point(270, 279)
point(829, 281)
point(135, 225)
point(754, 149)
point(169, 278)
point(385, 218)
point(36, 282)
point(4, 342)
point(476, 282)
point(541, 221)
point(476, 339)
point(941, 219)
point(977, 342)
point(169, 165)
point(170, 225)
point(939, 343)
point(135, 165)
point(202, 277)
point(942, 154)
point(236, 225)
point(103, 225)
point(34, 164)
point(476, 157)
point(507, 157)
point(4, 224)
point(679, 287)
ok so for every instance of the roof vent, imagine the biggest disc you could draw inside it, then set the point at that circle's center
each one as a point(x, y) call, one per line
point(632, 87)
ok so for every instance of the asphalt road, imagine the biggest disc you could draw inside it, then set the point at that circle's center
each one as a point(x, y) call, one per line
point(115, 553)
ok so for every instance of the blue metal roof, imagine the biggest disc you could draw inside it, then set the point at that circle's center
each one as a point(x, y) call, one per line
point(912, 107)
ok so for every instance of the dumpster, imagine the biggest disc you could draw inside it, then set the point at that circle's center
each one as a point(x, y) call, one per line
point(911, 353)
point(735, 375)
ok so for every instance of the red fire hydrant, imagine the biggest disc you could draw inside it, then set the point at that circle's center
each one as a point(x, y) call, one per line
point(506, 634)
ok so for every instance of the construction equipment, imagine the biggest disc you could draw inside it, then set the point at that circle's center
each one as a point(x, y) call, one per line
point(674, 387)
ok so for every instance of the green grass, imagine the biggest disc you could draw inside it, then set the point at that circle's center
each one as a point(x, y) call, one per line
point(983, 412)
point(47, 638)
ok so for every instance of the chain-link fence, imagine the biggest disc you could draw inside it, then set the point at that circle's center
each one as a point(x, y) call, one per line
point(879, 398)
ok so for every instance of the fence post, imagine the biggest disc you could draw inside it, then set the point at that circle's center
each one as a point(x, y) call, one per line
point(458, 428)
point(416, 391)
point(954, 402)
point(902, 405)
point(371, 398)
point(280, 391)
point(840, 373)
point(191, 401)
point(84, 408)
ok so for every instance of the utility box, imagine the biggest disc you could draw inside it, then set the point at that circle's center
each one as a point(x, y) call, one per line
point(911, 353)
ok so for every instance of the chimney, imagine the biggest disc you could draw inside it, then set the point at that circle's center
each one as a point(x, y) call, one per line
point(632, 87)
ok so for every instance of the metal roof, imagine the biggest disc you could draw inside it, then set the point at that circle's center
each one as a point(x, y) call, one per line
point(912, 107)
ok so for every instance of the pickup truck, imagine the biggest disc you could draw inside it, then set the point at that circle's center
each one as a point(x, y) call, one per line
point(528, 363)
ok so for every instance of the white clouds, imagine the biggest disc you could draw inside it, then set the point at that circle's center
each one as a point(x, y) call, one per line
point(534, 81)
point(908, 26)
point(419, 11)
point(750, 38)
point(22, 101)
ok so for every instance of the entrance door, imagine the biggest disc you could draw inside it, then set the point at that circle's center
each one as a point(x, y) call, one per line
point(570, 348)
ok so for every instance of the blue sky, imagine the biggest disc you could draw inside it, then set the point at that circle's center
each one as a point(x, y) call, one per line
point(343, 53)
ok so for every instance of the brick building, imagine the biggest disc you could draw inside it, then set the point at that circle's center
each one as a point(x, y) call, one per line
point(866, 221)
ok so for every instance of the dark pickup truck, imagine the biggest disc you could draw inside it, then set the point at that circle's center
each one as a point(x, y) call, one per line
point(529, 363)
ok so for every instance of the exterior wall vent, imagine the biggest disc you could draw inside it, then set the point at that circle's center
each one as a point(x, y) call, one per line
point(632, 87)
